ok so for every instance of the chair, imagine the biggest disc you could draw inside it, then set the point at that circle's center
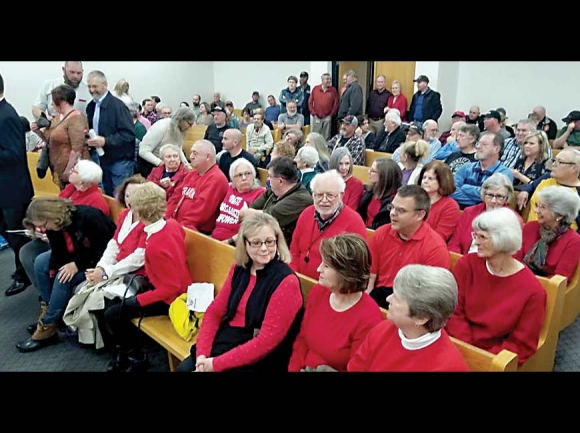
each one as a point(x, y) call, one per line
point(571, 300)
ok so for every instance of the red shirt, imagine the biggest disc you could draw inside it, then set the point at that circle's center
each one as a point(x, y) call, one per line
point(228, 221)
point(281, 311)
point(306, 245)
point(196, 203)
point(91, 197)
point(329, 337)
point(563, 254)
point(496, 313)
point(444, 216)
point(372, 210)
point(390, 253)
point(321, 103)
point(400, 104)
point(383, 350)
point(353, 192)
point(177, 179)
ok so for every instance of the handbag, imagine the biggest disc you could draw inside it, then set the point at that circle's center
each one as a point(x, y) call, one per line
point(42, 164)
point(185, 321)
point(136, 284)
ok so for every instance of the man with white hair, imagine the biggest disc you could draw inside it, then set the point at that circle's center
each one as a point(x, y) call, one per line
point(196, 203)
point(391, 136)
point(326, 218)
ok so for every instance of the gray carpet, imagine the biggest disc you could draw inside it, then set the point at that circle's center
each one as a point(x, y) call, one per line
point(17, 312)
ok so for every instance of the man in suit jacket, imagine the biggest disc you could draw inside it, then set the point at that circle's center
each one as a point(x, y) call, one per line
point(426, 103)
point(112, 122)
point(16, 187)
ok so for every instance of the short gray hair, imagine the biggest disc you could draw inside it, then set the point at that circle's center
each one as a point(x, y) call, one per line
point(393, 117)
point(574, 153)
point(562, 201)
point(496, 181)
point(308, 155)
point(89, 171)
point(430, 292)
point(133, 108)
point(98, 74)
point(168, 146)
point(333, 174)
point(244, 161)
point(503, 227)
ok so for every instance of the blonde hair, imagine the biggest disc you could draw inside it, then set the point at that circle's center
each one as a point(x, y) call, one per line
point(251, 225)
point(148, 201)
point(415, 150)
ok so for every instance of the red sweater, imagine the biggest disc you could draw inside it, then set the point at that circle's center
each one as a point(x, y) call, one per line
point(177, 179)
point(196, 203)
point(444, 216)
point(496, 313)
point(390, 253)
point(383, 350)
point(166, 265)
point(353, 193)
point(400, 104)
point(460, 241)
point(329, 337)
point(306, 244)
point(322, 104)
point(91, 197)
point(228, 221)
point(563, 254)
point(281, 311)
point(135, 239)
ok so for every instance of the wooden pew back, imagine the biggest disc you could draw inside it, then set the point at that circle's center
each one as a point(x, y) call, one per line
point(196, 132)
point(42, 187)
point(361, 172)
point(371, 155)
point(571, 300)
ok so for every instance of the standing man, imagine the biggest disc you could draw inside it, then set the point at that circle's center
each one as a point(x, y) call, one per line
point(351, 102)
point(323, 105)
point(376, 103)
point(304, 109)
point(17, 190)
point(111, 120)
point(73, 76)
point(426, 103)
point(195, 101)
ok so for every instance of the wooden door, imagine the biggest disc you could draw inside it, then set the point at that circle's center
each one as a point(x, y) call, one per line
point(362, 71)
point(401, 71)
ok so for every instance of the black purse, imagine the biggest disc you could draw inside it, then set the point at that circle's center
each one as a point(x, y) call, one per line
point(136, 284)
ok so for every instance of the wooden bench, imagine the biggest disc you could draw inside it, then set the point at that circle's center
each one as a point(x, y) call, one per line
point(571, 300)
point(361, 172)
point(263, 176)
point(42, 187)
point(371, 155)
point(196, 132)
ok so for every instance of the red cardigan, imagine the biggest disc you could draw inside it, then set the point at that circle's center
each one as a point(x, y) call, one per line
point(353, 192)
point(563, 255)
point(444, 216)
point(91, 197)
point(306, 239)
point(177, 179)
point(496, 313)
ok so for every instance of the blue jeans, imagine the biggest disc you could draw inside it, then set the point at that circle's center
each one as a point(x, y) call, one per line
point(114, 174)
point(29, 253)
point(56, 294)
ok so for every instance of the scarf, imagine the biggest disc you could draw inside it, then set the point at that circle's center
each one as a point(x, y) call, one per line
point(322, 224)
point(536, 257)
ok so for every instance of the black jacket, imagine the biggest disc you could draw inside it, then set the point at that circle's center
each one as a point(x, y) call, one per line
point(351, 101)
point(382, 217)
point(432, 107)
point(389, 143)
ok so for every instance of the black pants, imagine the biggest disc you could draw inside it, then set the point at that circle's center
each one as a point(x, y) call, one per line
point(118, 331)
point(379, 294)
point(11, 219)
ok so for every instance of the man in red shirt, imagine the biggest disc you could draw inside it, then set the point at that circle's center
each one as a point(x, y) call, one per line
point(196, 203)
point(407, 240)
point(323, 106)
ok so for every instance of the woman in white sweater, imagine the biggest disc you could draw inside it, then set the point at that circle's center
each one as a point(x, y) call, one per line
point(172, 130)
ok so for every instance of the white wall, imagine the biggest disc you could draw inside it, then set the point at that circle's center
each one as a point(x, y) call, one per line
point(173, 82)
point(447, 86)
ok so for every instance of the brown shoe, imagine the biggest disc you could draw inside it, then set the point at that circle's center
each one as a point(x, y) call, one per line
point(44, 332)
point(43, 309)
point(45, 335)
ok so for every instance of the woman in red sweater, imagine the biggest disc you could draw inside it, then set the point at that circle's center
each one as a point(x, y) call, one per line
point(341, 161)
point(83, 188)
point(339, 313)
point(397, 100)
point(166, 270)
point(550, 247)
point(496, 192)
point(501, 302)
point(436, 178)
point(253, 321)
point(413, 338)
point(170, 174)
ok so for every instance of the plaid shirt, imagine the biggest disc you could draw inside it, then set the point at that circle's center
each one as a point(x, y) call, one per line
point(511, 152)
point(355, 144)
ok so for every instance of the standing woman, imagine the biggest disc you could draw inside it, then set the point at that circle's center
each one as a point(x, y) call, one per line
point(341, 161)
point(339, 313)
point(65, 134)
point(253, 321)
point(166, 269)
point(78, 236)
point(397, 100)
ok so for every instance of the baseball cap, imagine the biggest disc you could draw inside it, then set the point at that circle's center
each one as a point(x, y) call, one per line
point(573, 116)
point(304, 74)
point(458, 114)
point(218, 109)
point(494, 114)
point(350, 120)
point(421, 78)
point(415, 129)
point(256, 93)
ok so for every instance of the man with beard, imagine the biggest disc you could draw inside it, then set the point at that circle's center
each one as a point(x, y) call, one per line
point(73, 76)
point(195, 101)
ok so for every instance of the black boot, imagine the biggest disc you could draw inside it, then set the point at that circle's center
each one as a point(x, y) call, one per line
point(138, 362)
point(118, 362)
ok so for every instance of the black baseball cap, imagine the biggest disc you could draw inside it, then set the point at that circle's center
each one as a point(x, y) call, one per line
point(493, 114)
point(218, 109)
point(421, 78)
point(573, 116)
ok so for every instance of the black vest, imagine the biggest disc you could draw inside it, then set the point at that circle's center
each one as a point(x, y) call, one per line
point(228, 337)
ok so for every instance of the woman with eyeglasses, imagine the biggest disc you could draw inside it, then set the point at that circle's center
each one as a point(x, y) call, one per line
point(171, 173)
point(501, 302)
point(170, 130)
point(550, 247)
point(242, 191)
point(385, 179)
point(532, 162)
point(339, 313)
point(252, 323)
point(497, 191)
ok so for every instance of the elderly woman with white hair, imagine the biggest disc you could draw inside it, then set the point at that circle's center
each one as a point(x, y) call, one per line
point(83, 188)
point(413, 337)
point(306, 159)
point(169, 130)
point(242, 191)
point(501, 302)
point(171, 173)
point(550, 247)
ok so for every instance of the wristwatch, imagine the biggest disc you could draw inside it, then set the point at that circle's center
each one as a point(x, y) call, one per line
point(105, 276)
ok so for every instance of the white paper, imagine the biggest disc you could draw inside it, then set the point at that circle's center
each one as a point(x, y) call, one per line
point(117, 291)
point(199, 296)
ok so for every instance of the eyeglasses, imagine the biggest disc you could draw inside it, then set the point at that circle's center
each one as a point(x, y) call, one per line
point(558, 162)
point(399, 210)
point(241, 175)
point(258, 244)
point(478, 237)
point(371, 171)
point(326, 195)
point(498, 197)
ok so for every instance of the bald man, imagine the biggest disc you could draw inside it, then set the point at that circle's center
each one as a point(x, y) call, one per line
point(232, 147)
